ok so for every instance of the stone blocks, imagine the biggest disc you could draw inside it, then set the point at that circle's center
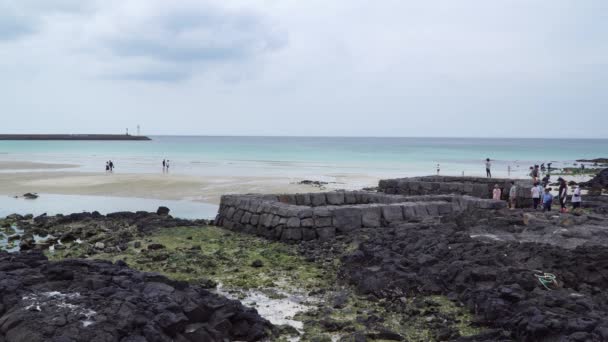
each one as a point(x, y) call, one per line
point(472, 186)
point(299, 217)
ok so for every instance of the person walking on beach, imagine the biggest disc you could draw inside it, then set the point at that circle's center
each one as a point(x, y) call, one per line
point(111, 166)
point(562, 194)
point(536, 195)
point(488, 167)
point(107, 167)
point(164, 165)
point(167, 165)
point(576, 197)
point(513, 196)
point(496, 193)
point(547, 200)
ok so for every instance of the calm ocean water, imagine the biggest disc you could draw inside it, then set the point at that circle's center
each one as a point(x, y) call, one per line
point(313, 157)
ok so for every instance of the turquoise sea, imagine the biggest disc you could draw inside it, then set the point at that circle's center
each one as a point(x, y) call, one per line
point(308, 156)
point(317, 158)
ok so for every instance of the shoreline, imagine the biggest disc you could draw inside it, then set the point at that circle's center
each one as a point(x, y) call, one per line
point(174, 187)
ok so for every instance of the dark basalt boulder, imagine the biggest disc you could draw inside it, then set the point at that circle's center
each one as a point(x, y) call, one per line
point(599, 181)
point(83, 300)
point(162, 211)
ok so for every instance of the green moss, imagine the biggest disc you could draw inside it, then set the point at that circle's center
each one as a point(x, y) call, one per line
point(196, 253)
point(414, 322)
point(200, 254)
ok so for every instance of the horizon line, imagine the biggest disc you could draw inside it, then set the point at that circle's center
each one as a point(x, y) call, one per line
point(322, 136)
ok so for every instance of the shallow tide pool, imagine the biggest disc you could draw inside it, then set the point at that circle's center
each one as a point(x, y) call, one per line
point(52, 204)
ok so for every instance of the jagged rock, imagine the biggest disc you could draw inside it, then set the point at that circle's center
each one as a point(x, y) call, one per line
point(494, 279)
point(599, 181)
point(30, 195)
point(87, 300)
point(155, 246)
point(162, 211)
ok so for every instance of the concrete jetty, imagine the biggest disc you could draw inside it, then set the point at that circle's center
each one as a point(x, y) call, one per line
point(118, 137)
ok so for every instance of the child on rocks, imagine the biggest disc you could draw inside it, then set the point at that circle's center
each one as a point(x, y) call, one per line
point(547, 200)
point(496, 194)
point(576, 197)
point(536, 195)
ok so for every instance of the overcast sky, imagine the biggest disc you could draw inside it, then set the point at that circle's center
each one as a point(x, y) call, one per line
point(305, 67)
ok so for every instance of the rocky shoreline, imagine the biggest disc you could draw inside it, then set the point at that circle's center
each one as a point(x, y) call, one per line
point(84, 300)
point(482, 273)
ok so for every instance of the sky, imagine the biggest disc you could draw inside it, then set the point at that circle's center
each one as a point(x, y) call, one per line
point(453, 68)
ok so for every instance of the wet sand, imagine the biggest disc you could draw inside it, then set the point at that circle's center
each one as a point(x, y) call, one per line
point(160, 186)
point(25, 165)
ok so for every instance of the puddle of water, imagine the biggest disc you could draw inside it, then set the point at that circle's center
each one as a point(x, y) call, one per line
point(279, 311)
point(13, 245)
point(68, 204)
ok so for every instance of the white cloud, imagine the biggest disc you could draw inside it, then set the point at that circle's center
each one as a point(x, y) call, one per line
point(344, 67)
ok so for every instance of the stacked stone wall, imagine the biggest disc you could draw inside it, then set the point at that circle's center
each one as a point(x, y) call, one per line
point(295, 217)
point(472, 186)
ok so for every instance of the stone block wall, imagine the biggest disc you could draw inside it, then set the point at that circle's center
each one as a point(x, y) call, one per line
point(472, 186)
point(295, 217)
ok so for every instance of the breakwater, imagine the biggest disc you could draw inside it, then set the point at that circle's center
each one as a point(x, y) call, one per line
point(117, 137)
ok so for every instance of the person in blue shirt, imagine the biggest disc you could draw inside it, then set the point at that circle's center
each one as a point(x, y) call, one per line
point(547, 200)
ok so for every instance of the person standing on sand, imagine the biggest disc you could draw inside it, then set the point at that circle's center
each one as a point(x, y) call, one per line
point(111, 166)
point(164, 165)
point(576, 197)
point(513, 196)
point(488, 167)
point(167, 165)
point(496, 193)
point(536, 195)
point(107, 167)
point(562, 194)
point(547, 200)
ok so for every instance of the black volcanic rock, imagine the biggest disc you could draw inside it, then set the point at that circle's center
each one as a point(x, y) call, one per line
point(495, 280)
point(163, 211)
point(82, 300)
point(599, 181)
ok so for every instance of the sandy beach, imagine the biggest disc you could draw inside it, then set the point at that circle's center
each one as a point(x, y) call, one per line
point(19, 177)
point(161, 186)
point(26, 165)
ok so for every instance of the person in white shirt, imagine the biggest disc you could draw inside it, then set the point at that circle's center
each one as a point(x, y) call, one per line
point(536, 194)
point(513, 196)
point(576, 197)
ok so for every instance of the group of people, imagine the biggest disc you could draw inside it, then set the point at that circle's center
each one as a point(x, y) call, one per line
point(109, 166)
point(542, 196)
